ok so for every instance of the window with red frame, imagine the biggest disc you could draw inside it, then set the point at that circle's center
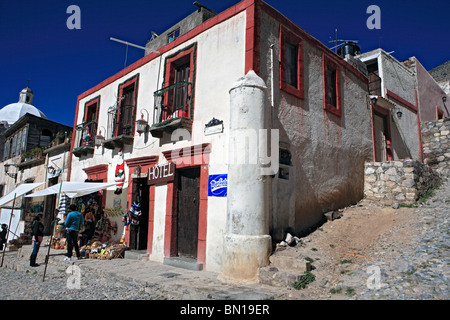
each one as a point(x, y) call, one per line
point(126, 111)
point(291, 63)
point(331, 86)
point(179, 79)
point(90, 121)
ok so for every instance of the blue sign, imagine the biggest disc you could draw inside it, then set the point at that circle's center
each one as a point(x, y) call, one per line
point(217, 185)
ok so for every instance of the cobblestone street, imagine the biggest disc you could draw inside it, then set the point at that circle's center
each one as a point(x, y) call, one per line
point(416, 267)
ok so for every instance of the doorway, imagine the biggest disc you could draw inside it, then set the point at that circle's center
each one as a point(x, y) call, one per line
point(383, 148)
point(139, 233)
point(188, 199)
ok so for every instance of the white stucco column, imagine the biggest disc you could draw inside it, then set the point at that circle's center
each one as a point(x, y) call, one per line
point(247, 244)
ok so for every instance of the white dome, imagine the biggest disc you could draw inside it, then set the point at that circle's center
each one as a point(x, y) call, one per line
point(14, 111)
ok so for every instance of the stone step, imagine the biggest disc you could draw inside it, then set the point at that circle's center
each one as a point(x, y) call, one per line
point(136, 254)
point(288, 263)
point(273, 276)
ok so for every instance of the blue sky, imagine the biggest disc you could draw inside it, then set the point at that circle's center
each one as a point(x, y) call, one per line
point(36, 45)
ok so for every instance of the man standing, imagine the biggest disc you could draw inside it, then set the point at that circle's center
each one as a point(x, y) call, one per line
point(73, 222)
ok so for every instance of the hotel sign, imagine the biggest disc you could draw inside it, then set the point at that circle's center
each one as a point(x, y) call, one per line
point(161, 173)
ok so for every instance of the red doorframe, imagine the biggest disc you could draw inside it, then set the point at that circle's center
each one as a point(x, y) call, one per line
point(98, 173)
point(195, 156)
point(145, 163)
point(384, 113)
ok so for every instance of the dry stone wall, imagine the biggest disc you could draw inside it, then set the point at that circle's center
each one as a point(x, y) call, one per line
point(436, 145)
point(398, 181)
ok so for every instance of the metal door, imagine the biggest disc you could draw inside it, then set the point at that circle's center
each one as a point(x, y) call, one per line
point(188, 198)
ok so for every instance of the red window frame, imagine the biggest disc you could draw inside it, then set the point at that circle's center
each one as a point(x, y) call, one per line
point(288, 36)
point(328, 63)
point(129, 82)
point(90, 103)
point(171, 64)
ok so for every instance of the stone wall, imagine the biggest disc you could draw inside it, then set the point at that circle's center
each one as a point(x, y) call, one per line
point(398, 181)
point(436, 145)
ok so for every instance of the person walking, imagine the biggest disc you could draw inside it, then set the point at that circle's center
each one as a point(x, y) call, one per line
point(3, 234)
point(38, 236)
point(73, 223)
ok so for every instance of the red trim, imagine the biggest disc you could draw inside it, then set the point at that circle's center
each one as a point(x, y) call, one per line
point(133, 81)
point(145, 163)
point(184, 158)
point(305, 36)
point(151, 218)
point(252, 37)
point(329, 63)
point(419, 126)
point(91, 102)
point(286, 35)
point(402, 101)
point(221, 17)
point(99, 172)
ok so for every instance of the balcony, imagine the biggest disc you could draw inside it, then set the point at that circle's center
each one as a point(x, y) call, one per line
point(374, 84)
point(84, 138)
point(173, 107)
point(120, 130)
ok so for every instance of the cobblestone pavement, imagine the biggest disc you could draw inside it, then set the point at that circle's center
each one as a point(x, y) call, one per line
point(413, 269)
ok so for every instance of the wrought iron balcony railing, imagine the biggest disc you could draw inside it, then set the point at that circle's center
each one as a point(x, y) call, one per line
point(84, 138)
point(120, 121)
point(173, 102)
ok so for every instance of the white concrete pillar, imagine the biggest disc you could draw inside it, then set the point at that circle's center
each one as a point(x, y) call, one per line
point(247, 244)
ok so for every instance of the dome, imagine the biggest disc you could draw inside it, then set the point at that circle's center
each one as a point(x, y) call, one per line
point(14, 111)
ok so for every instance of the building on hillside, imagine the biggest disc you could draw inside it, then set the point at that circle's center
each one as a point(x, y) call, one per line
point(169, 125)
point(33, 146)
point(430, 95)
point(441, 74)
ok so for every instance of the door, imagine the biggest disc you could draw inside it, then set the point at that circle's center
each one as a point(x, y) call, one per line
point(383, 144)
point(380, 138)
point(188, 199)
point(139, 233)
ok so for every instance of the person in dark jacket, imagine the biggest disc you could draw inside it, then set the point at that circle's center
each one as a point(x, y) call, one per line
point(73, 223)
point(38, 235)
point(3, 234)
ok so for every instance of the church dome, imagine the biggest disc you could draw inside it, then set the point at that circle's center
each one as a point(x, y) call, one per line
point(14, 111)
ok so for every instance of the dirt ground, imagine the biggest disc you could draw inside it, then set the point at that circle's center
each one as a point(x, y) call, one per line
point(364, 234)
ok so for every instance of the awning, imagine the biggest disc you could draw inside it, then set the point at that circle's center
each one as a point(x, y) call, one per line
point(73, 189)
point(17, 192)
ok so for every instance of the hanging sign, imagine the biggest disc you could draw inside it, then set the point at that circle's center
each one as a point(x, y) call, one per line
point(161, 173)
point(217, 185)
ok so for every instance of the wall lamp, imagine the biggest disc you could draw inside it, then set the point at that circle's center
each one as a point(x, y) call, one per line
point(141, 124)
point(10, 174)
point(99, 138)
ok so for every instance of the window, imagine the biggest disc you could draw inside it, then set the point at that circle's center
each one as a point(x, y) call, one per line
point(174, 34)
point(291, 63)
point(175, 99)
point(7, 148)
point(24, 139)
point(331, 86)
point(126, 107)
point(90, 119)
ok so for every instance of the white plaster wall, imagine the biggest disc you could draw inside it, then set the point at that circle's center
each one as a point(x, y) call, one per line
point(220, 62)
point(328, 152)
point(159, 223)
